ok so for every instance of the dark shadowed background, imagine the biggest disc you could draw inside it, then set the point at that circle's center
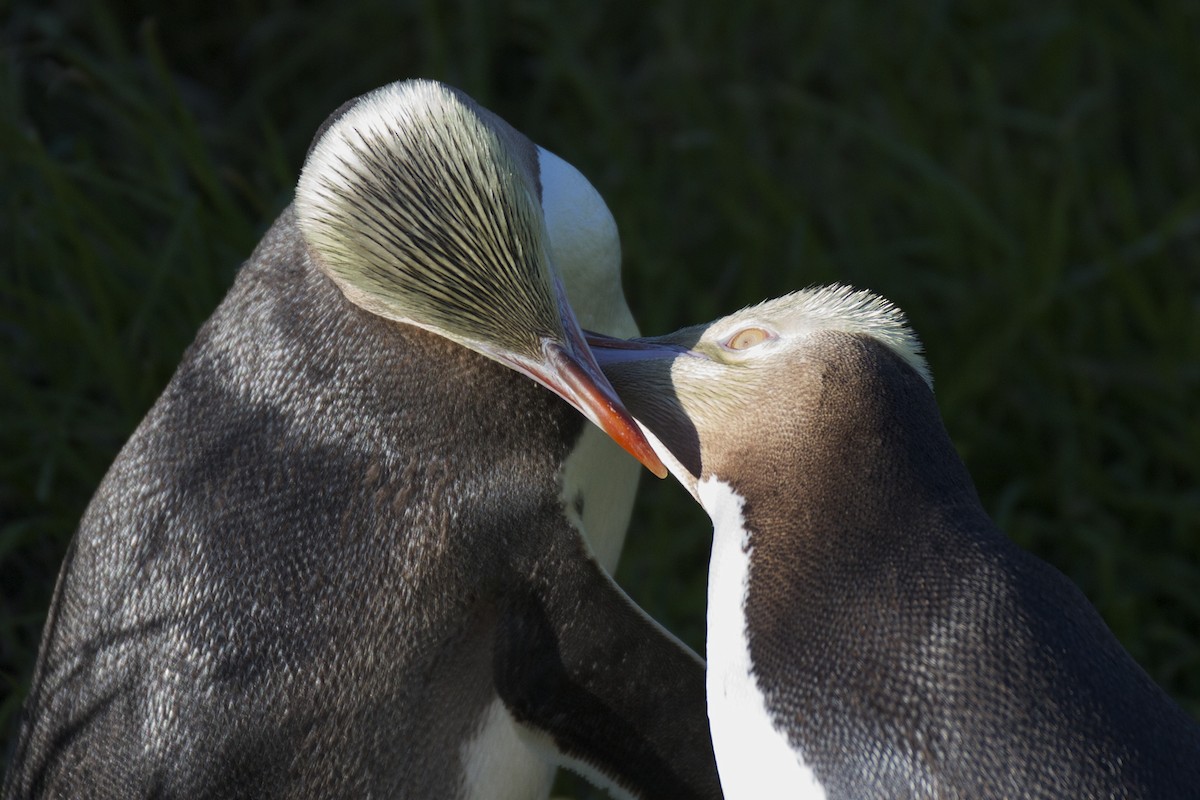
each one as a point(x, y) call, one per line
point(1024, 181)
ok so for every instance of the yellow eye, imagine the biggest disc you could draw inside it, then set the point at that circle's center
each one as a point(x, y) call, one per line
point(747, 338)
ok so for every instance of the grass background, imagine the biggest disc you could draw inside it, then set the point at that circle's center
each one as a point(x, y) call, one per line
point(1022, 178)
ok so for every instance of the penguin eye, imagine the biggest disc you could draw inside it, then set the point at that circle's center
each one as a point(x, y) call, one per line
point(747, 338)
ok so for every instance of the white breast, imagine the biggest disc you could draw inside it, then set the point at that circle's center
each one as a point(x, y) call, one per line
point(499, 764)
point(754, 758)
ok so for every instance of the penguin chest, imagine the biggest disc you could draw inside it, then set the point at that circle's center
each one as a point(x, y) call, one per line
point(754, 757)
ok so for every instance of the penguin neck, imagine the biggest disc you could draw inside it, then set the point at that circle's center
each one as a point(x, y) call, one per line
point(754, 757)
point(854, 473)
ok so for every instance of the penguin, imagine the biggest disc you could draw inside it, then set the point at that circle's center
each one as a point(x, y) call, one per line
point(353, 550)
point(871, 633)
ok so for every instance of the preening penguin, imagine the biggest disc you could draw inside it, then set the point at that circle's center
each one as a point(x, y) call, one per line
point(424, 209)
point(344, 556)
point(871, 633)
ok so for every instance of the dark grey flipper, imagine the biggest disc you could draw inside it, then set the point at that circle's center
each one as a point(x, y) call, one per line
point(616, 694)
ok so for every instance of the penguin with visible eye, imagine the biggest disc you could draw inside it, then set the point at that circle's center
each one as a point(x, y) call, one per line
point(353, 551)
point(871, 633)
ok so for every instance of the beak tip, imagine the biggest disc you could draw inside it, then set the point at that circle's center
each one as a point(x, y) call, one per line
point(650, 459)
point(626, 433)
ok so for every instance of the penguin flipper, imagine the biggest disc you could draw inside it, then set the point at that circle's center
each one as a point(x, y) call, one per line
point(620, 699)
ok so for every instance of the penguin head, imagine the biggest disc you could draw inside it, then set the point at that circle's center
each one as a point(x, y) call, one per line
point(427, 209)
point(708, 395)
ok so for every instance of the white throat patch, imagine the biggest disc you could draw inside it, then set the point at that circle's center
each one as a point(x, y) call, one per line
point(754, 758)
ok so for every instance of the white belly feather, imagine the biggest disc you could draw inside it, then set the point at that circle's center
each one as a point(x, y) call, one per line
point(754, 758)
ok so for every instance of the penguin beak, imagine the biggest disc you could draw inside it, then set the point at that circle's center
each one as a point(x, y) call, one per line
point(610, 351)
point(645, 371)
point(573, 374)
point(568, 368)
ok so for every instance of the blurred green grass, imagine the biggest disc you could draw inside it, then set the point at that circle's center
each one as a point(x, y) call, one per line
point(1023, 179)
